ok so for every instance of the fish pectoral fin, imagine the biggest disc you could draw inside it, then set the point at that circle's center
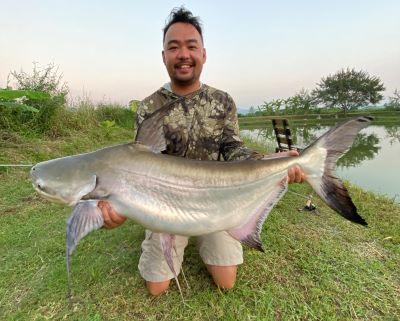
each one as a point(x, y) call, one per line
point(249, 232)
point(85, 218)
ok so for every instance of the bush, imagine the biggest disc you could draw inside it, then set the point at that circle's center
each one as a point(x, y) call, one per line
point(13, 107)
point(46, 80)
point(39, 106)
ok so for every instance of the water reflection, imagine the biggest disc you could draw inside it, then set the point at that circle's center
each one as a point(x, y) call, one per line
point(393, 133)
point(364, 147)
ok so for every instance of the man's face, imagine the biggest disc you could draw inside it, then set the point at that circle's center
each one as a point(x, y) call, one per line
point(183, 54)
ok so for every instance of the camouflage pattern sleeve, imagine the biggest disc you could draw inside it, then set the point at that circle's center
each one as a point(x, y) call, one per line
point(232, 147)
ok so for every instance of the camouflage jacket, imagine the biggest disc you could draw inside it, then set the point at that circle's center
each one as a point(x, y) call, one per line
point(202, 125)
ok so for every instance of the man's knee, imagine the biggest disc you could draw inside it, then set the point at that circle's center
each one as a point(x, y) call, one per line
point(223, 276)
point(157, 288)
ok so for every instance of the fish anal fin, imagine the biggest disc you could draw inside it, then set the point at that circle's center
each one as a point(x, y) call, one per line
point(249, 232)
point(167, 244)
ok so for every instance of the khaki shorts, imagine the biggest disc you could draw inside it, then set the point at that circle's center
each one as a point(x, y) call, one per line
point(215, 249)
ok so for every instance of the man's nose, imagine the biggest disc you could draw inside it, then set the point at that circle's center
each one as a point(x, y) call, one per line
point(183, 53)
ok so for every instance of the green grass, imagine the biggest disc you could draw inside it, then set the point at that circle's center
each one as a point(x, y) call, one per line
point(316, 265)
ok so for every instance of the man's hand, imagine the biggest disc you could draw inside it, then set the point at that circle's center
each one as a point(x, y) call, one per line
point(111, 218)
point(295, 174)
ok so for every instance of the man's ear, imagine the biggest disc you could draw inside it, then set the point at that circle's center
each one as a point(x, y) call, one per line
point(163, 56)
point(204, 55)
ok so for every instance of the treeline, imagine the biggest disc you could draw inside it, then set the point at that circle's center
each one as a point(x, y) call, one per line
point(346, 90)
point(38, 105)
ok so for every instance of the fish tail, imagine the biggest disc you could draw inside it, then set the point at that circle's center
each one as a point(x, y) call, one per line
point(318, 161)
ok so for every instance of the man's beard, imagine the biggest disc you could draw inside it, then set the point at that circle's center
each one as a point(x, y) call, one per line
point(184, 82)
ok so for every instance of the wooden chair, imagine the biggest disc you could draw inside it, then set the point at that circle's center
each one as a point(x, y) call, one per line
point(282, 134)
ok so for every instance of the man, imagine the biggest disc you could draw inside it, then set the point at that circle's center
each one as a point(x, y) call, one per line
point(202, 124)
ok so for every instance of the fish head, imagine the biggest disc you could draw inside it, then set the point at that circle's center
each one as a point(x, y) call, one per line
point(63, 180)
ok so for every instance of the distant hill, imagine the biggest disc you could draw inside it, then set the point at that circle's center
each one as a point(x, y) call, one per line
point(242, 110)
point(373, 107)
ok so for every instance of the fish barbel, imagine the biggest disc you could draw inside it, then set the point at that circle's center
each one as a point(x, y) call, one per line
point(179, 196)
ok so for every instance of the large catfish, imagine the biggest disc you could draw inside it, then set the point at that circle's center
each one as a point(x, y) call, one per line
point(178, 196)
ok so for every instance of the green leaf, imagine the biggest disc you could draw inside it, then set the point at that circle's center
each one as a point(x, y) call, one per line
point(31, 94)
point(108, 123)
point(12, 104)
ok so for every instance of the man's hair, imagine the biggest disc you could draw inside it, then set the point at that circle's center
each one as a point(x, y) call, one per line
point(181, 14)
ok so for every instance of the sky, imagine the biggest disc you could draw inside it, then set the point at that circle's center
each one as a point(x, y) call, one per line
point(256, 50)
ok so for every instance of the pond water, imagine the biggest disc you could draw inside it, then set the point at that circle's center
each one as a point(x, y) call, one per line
point(373, 162)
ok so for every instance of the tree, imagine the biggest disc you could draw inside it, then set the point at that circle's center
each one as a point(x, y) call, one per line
point(394, 101)
point(302, 102)
point(349, 89)
point(272, 107)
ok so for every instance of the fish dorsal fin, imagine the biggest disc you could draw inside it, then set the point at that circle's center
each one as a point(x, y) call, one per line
point(249, 232)
point(151, 131)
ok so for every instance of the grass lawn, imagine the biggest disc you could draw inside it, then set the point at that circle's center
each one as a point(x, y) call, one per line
point(316, 265)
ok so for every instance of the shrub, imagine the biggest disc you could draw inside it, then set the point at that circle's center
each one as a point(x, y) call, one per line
point(46, 80)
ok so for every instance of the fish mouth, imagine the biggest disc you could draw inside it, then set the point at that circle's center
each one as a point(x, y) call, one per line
point(59, 193)
point(49, 197)
point(36, 183)
point(45, 191)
